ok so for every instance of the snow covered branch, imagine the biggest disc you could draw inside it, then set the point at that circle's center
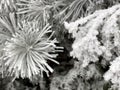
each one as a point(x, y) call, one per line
point(98, 35)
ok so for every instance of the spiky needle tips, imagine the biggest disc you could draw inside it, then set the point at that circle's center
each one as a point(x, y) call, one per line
point(28, 51)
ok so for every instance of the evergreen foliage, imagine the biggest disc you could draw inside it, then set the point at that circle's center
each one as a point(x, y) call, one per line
point(33, 33)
